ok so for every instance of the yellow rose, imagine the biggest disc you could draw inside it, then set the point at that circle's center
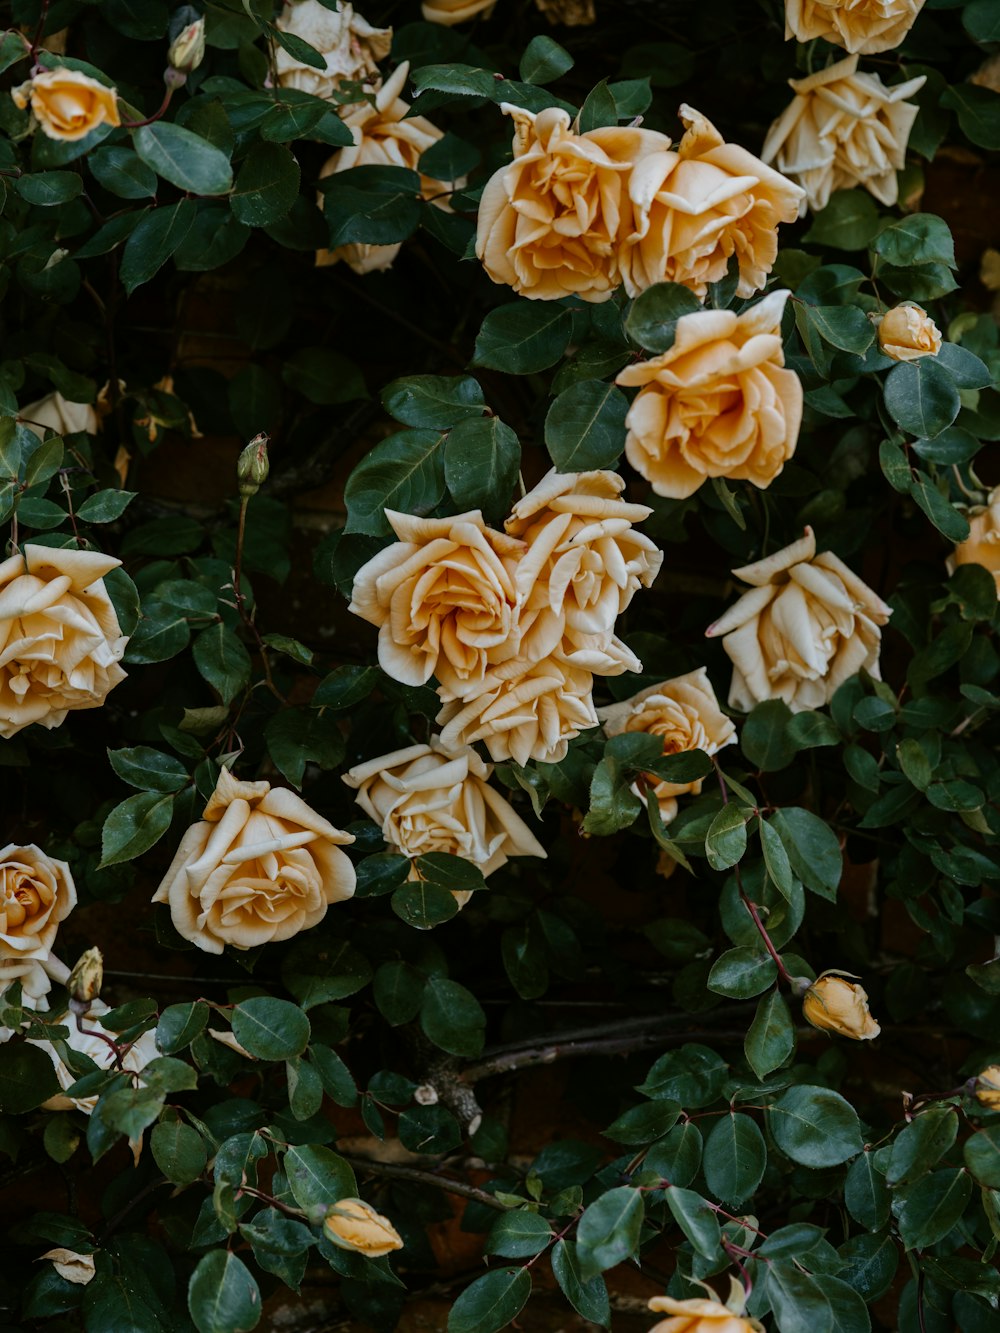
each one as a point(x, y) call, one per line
point(699, 205)
point(553, 223)
point(56, 413)
point(350, 45)
point(834, 1004)
point(862, 27)
point(686, 714)
point(444, 600)
point(844, 129)
point(982, 546)
point(988, 1087)
point(60, 641)
point(352, 1224)
point(261, 866)
point(384, 136)
point(450, 12)
point(138, 1055)
point(907, 332)
point(67, 104)
point(69, 1264)
point(716, 404)
point(523, 711)
point(36, 893)
point(805, 626)
point(35, 977)
point(699, 1316)
point(428, 798)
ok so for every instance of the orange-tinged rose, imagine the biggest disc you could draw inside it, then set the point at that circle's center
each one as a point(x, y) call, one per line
point(718, 403)
point(862, 27)
point(348, 43)
point(834, 1004)
point(36, 893)
point(907, 332)
point(696, 207)
point(259, 867)
point(988, 1087)
point(553, 223)
point(68, 104)
point(982, 546)
point(352, 1224)
point(699, 1316)
point(450, 12)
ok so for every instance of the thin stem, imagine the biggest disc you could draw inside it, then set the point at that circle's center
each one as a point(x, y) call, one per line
point(398, 1172)
point(42, 16)
point(297, 1213)
point(568, 1050)
point(119, 1051)
point(751, 907)
point(138, 124)
point(245, 617)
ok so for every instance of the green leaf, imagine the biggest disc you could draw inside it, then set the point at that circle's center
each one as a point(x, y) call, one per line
point(982, 1156)
point(491, 1302)
point(588, 1299)
point(182, 158)
point(765, 738)
point(337, 1080)
point(866, 1193)
point(270, 1029)
point(734, 1159)
point(609, 1230)
point(692, 1076)
point(266, 186)
point(449, 159)
point(697, 1219)
point(726, 840)
point(812, 847)
point(297, 47)
point(105, 506)
point(544, 60)
point(927, 1210)
point(179, 1151)
point(222, 660)
point(518, 1234)
point(965, 368)
point(848, 222)
point(398, 990)
point(43, 462)
point(918, 238)
point(524, 337)
point(452, 1018)
point(280, 1245)
point(815, 1126)
point(677, 1157)
point(945, 517)
point(179, 1024)
point(299, 736)
point(779, 871)
point(27, 1078)
point(981, 20)
point(921, 397)
point(599, 108)
point(346, 686)
point(134, 826)
point(652, 318)
point(742, 973)
point(844, 327)
point(223, 1296)
point(423, 904)
point(404, 472)
point(482, 459)
point(122, 172)
point(371, 205)
point(324, 376)
point(771, 1037)
point(807, 1303)
point(318, 1176)
point(435, 401)
point(46, 188)
point(922, 1143)
point(644, 1123)
point(149, 769)
point(585, 427)
point(978, 112)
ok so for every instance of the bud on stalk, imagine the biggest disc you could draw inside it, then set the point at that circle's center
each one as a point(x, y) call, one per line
point(85, 981)
point(187, 50)
point(253, 466)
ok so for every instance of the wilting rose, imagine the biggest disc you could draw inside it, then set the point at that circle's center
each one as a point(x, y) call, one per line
point(553, 223)
point(834, 1004)
point(844, 129)
point(35, 977)
point(349, 44)
point(685, 713)
point(56, 413)
point(261, 866)
point(60, 641)
point(699, 1316)
point(71, 1265)
point(138, 1055)
point(523, 713)
point(352, 1224)
point(450, 12)
point(907, 332)
point(428, 798)
point(862, 27)
point(67, 104)
point(982, 546)
point(583, 564)
point(988, 1087)
point(805, 626)
point(698, 206)
point(36, 893)
point(719, 403)
point(444, 600)
point(384, 136)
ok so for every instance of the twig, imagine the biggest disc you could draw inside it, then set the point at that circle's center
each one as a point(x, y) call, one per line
point(547, 1055)
point(396, 1171)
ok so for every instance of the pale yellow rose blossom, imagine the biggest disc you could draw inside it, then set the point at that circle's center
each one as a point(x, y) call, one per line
point(982, 546)
point(806, 625)
point(385, 135)
point(349, 44)
point(444, 599)
point(863, 27)
point(60, 640)
point(685, 714)
point(907, 332)
point(553, 223)
point(35, 977)
point(988, 1087)
point(59, 414)
point(450, 12)
point(135, 1058)
point(697, 206)
point(260, 867)
point(67, 104)
point(718, 403)
point(834, 1004)
point(428, 798)
point(697, 1315)
point(843, 130)
point(36, 893)
point(352, 1224)
point(71, 1265)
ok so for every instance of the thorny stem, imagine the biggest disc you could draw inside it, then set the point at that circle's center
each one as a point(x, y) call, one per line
point(399, 1172)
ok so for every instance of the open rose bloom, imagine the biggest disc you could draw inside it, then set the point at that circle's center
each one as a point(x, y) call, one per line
point(907, 332)
point(835, 1004)
point(60, 641)
point(844, 129)
point(862, 27)
point(259, 867)
point(982, 546)
point(699, 1316)
point(67, 104)
point(35, 977)
point(697, 206)
point(718, 403)
point(36, 893)
point(450, 12)
point(806, 625)
point(347, 42)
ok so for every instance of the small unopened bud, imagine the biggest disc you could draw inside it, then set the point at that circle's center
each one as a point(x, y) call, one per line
point(87, 977)
point(987, 1087)
point(187, 50)
point(252, 466)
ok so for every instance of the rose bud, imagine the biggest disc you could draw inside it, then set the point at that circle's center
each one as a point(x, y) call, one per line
point(187, 50)
point(352, 1224)
point(907, 332)
point(833, 1004)
point(988, 1088)
point(252, 466)
point(87, 977)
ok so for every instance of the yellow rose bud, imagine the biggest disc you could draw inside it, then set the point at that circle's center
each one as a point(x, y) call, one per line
point(252, 466)
point(907, 332)
point(187, 50)
point(353, 1224)
point(87, 977)
point(68, 104)
point(834, 1004)
point(988, 1088)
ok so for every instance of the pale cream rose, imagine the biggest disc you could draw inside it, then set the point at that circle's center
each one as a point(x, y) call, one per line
point(699, 1316)
point(352, 1224)
point(36, 893)
point(384, 136)
point(807, 624)
point(685, 713)
point(553, 223)
point(907, 332)
point(260, 867)
point(844, 129)
point(187, 50)
point(428, 798)
point(135, 1059)
point(862, 27)
point(450, 12)
point(699, 205)
point(583, 564)
point(988, 1087)
point(35, 977)
point(71, 1265)
point(350, 45)
point(982, 546)
point(67, 104)
point(718, 403)
point(56, 413)
point(444, 599)
point(834, 1004)
point(523, 712)
point(60, 641)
